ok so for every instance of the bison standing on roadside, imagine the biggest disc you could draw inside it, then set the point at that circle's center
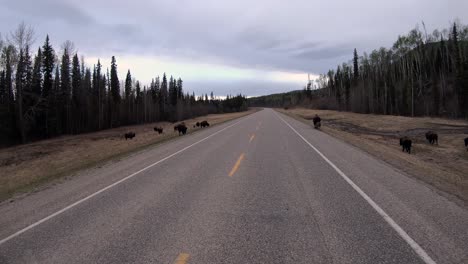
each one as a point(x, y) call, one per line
point(129, 135)
point(159, 130)
point(432, 137)
point(181, 128)
point(204, 124)
point(317, 121)
point(466, 143)
point(405, 143)
point(196, 124)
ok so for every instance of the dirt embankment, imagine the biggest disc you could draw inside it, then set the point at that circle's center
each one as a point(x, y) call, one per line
point(444, 166)
point(22, 168)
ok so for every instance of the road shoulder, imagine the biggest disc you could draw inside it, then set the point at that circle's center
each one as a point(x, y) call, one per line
point(439, 179)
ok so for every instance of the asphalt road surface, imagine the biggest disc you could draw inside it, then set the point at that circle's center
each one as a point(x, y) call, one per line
point(260, 189)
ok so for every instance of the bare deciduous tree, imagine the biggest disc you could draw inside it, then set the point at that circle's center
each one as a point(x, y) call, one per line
point(23, 36)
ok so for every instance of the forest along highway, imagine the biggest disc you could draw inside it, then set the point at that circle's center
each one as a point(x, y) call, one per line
point(261, 189)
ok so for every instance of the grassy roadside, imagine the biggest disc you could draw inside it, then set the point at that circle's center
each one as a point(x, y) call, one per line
point(443, 166)
point(27, 167)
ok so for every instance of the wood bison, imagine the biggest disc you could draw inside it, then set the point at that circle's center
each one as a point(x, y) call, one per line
point(405, 143)
point(129, 135)
point(466, 143)
point(317, 121)
point(432, 137)
point(204, 124)
point(159, 130)
point(181, 128)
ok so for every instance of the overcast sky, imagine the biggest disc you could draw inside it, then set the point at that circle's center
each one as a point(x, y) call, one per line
point(249, 46)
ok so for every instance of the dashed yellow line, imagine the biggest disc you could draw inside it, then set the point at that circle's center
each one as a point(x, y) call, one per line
point(252, 138)
point(236, 166)
point(182, 258)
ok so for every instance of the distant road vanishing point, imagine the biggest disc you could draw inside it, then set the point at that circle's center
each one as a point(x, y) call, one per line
point(264, 188)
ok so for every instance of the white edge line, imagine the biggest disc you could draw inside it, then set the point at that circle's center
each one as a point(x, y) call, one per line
point(413, 244)
point(109, 186)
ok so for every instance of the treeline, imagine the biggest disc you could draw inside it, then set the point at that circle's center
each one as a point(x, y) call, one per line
point(55, 93)
point(422, 74)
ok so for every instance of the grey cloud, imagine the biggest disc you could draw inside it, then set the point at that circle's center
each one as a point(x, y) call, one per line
point(50, 9)
point(324, 53)
point(294, 35)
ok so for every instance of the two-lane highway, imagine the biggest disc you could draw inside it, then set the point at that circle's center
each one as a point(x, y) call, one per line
point(262, 189)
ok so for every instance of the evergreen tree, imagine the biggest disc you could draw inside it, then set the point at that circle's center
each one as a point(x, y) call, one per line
point(77, 94)
point(3, 93)
point(48, 58)
point(355, 66)
point(138, 93)
point(65, 78)
point(114, 82)
point(37, 76)
point(128, 85)
point(163, 97)
point(9, 103)
point(54, 126)
point(7, 55)
point(76, 81)
point(21, 79)
point(65, 91)
point(172, 91)
point(180, 90)
point(28, 67)
point(157, 90)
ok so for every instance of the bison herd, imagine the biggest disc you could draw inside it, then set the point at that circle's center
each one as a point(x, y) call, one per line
point(181, 128)
point(202, 124)
point(431, 137)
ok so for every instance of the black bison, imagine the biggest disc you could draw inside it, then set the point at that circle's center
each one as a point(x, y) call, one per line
point(129, 135)
point(405, 143)
point(159, 130)
point(466, 143)
point(432, 137)
point(181, 128)
point(204, 124)
point(317, 121)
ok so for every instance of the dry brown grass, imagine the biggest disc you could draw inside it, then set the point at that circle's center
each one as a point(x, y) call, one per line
point(26, 166)
point(444, 166)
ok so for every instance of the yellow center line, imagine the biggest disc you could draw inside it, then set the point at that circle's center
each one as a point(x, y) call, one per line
point(182, 258)
point(252, 137)
point(236, 166)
